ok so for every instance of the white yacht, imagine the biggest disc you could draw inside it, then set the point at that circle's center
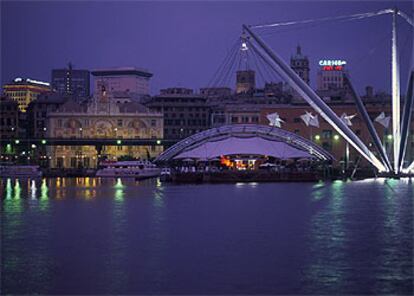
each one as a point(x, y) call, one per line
point(19, 171)
point(140, 169)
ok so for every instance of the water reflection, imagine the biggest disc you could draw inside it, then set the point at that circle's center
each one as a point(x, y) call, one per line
point(396, 240)
point(115, 273)
point(327, 238)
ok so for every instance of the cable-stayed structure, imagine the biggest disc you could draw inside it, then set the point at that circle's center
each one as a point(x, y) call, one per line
point(400, 120)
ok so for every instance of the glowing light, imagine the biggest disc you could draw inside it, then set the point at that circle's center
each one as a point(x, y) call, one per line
point(118, 142)
point(317, 137)
point(33, 146)
point(158, 142)
point(43, 142)
point(332, 63)
point(16, 141)
point(336, 137)
point(389, 137)
point(37, 82)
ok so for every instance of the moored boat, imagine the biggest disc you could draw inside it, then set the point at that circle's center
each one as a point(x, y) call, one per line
point(140, 169)
point(20, 171)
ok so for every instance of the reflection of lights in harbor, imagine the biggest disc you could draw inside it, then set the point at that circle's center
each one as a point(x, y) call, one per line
point(17, 189)
point(33, 189)
point(44, 190)
point(9, 189)
point(119, 190)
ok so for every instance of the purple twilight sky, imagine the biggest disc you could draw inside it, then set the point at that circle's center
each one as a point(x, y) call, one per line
point(183, 43)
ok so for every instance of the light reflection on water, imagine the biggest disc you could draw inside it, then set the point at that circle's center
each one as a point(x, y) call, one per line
point(115, 236)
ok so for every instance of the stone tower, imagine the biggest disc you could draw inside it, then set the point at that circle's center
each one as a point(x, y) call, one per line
point(300, 64)
point(245, 81)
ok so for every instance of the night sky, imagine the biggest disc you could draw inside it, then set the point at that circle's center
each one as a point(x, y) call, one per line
point(183, 43)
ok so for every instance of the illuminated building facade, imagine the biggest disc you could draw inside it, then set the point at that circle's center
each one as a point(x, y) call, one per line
point(23, 91)
point(326, 137)
point(102, 118)
point(330, 75)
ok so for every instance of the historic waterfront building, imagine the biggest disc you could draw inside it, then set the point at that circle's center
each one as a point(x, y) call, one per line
point(23, 91)
point(71, 82)
point(185, 113)
point(102, 118)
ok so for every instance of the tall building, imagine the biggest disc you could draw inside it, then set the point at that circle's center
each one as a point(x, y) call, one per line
point(300, 64)
point(72, 82)
point(23, 91)
point(102, 118)
point(245, 81)
point(185, 113)
point(129, 80)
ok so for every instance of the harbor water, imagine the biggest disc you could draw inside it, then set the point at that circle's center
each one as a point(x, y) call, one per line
point(113, 236)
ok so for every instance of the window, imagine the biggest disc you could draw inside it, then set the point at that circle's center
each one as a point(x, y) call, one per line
point(120, 122)
point(234, 119)
point(296, 119)
point(73, 162)
point(153, 122)
point(326, 134)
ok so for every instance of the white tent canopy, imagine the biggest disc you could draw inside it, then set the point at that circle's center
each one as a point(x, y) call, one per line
point(248, 146)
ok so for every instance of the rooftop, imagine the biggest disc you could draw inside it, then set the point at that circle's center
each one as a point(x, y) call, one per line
point(122, 71)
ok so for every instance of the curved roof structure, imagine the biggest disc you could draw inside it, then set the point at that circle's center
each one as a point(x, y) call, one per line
point(249, 139)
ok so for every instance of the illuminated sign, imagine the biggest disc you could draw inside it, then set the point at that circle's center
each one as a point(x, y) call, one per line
point(332, 63)
point(37, 82)
point(18, 79)
point(332, 68)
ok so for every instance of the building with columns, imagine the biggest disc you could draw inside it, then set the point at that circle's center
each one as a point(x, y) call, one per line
point(102, 118)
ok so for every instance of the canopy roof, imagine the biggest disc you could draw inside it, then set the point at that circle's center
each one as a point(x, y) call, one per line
point(244, 139)
point(239, 146)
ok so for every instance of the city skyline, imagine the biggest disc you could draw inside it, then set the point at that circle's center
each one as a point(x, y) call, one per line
point(159, 41)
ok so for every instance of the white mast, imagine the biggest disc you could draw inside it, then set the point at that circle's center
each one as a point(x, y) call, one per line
point(395, 80)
